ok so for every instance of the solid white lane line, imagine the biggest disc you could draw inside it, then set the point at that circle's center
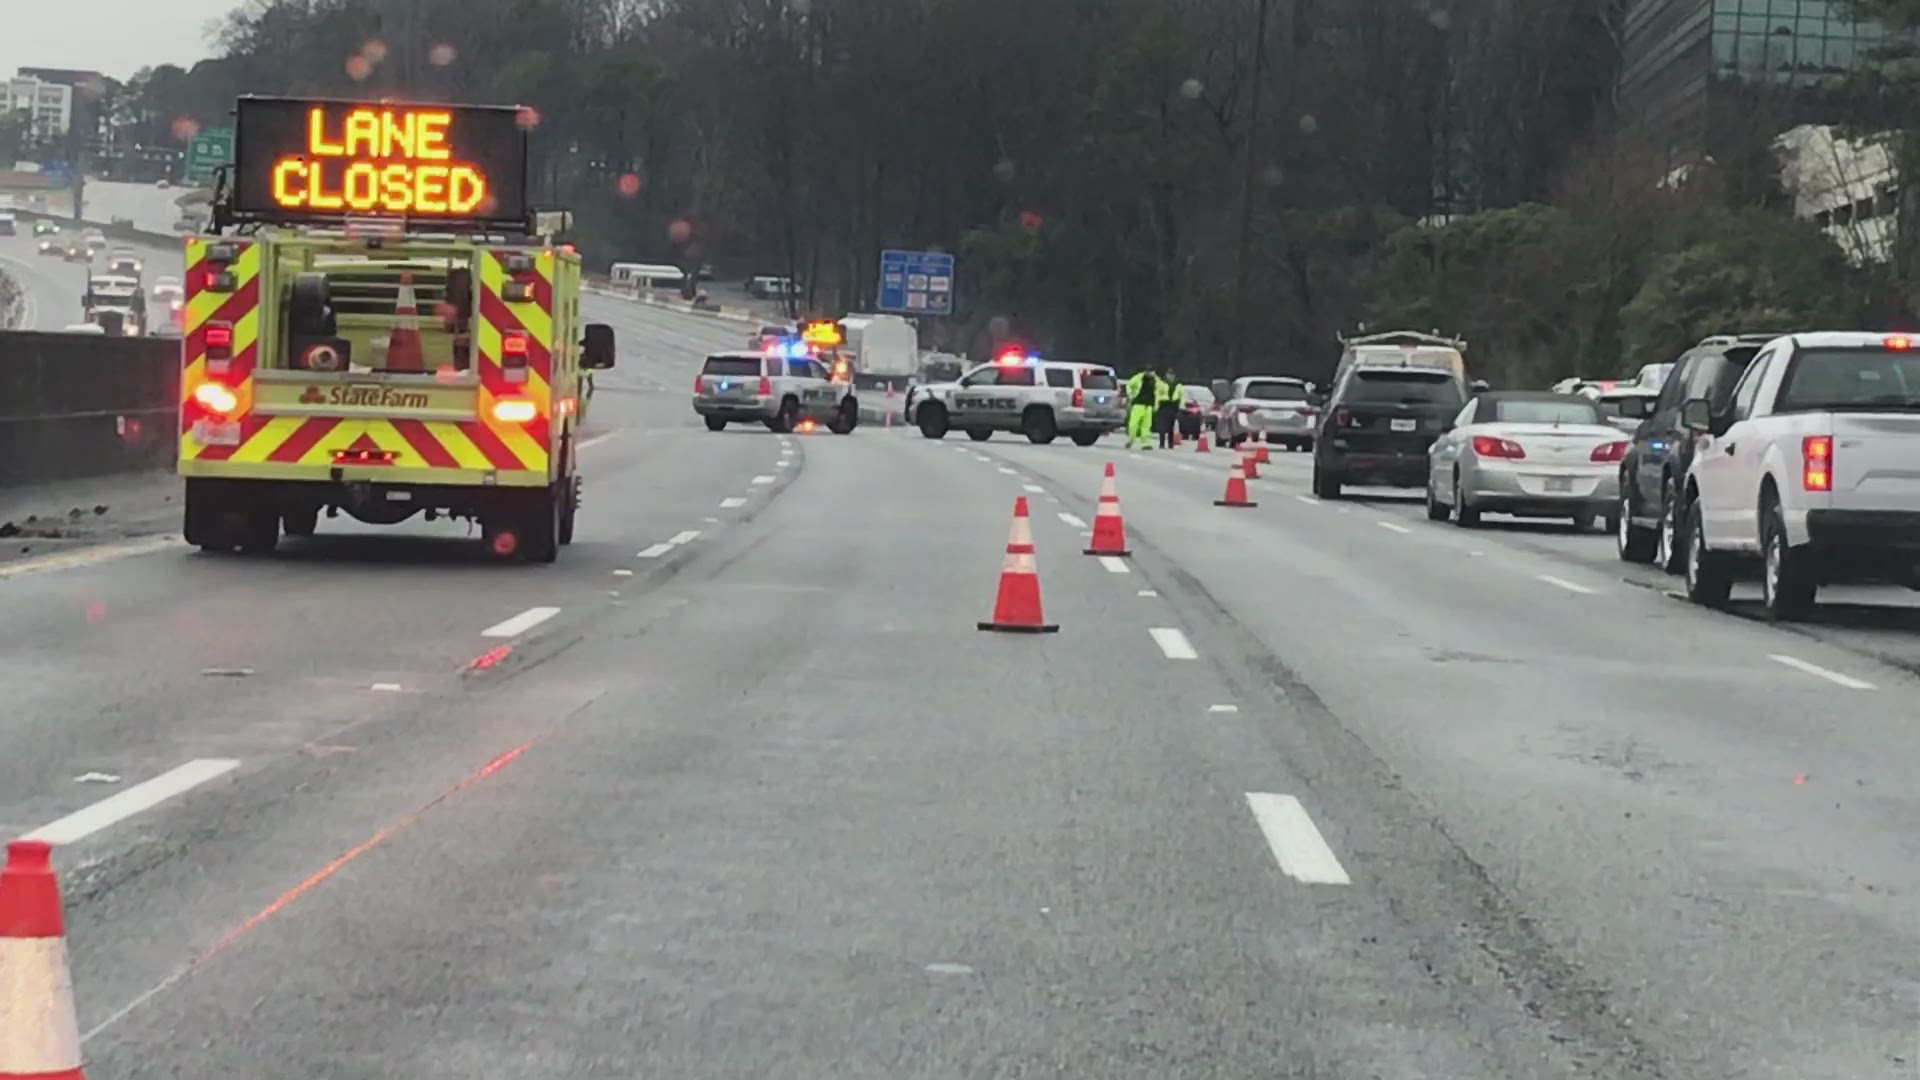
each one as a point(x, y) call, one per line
point(732, 504)
point(1071, 520)
point(686, 537)
point(1297, 845)
point(1034, 488)
point(1173, 643)
point(1798, 664)
point(521, 623)
point(653, 552)
point(1114, 564)
point(597, 439)
point(1562, 583)
point(103, 553)
point(1308, 499)
point(1393, 526)
point(125, 804)
point(763, 479)
point(1223, 708)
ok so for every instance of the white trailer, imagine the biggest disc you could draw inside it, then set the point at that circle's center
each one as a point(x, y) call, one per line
point(881, 348)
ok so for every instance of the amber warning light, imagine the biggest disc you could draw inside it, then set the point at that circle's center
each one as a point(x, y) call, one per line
point(297, 158)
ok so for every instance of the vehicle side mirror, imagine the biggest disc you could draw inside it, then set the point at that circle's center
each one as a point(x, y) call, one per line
point(596, 348)
point(1697, 415)
point(1479, 386)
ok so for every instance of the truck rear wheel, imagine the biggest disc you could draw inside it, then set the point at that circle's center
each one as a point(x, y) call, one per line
point(261, 533)
point(569, 509)
point(540, 526)
point(300, 521)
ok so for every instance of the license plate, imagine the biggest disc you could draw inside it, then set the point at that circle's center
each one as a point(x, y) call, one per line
point(210, 433)
point(1406, 425)
point(1559, 483)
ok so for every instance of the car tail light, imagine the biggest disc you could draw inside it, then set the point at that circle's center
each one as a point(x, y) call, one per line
point(514, 410)
point(1613, 451)
point(1816, 463)
point(766, 387)
point(696, 384)
point(1341, 416)
point(215, 398)
point(1079, 398)
point(219, 342)
point(1491, 447)
point(513, 356)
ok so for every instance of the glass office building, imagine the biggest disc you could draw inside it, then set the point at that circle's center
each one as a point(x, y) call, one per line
point(1676, 50)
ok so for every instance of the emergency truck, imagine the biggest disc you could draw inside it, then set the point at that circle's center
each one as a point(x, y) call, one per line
point(378, 322)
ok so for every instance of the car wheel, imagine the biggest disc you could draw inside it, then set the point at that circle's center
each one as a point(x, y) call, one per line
point(716, 423)
point(787, 418)
point(1325, 485)
point(1670, 536)
point(1787, 583)
point(1464, 515)
point(1709, 581)
point(979, 434)
point(1631, 542)
point(1436, 510)
point(933, 420)
point(1085, 438)
point(1037, 425)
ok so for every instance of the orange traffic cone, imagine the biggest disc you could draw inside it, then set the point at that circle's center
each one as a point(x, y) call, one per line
point(1260, 448)
point(403, 344)
point(1109, 530)
point(1201, 446)
point(1017, 607)
point(1250, 463)
point(1236, 487)
point(39, 1030)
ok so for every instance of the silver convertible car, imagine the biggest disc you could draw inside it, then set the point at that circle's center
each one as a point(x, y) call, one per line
point(1529, 454)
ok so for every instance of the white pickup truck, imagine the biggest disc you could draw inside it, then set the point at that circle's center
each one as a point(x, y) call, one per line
point(1811, 472)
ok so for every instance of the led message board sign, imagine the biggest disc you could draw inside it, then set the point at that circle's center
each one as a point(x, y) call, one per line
point(297, 158)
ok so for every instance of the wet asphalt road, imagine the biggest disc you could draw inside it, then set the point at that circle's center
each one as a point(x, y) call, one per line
point(737, 789)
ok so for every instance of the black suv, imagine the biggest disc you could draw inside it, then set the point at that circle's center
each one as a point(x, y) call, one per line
point(1377, 424)
point(1654, 471)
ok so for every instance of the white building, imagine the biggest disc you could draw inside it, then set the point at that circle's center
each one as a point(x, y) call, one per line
point(49, 104)
point(1848, 187)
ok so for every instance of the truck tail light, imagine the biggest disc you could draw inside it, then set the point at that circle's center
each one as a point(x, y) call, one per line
point(514, 410)
point(1613, 451)
point(513, 356)
point(1491, 447)
point(1079, 398)
point(1816, 463)
point(766, 387)
point(219, 341)
point(215, 398)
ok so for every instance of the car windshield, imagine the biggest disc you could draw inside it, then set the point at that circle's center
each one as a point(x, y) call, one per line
point(1858, 379)
point(1526, 411)
point(1276, 390)
point(732, 365)
point(1404, 388)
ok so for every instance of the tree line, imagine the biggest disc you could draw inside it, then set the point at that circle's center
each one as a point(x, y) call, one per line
point(1222, 185)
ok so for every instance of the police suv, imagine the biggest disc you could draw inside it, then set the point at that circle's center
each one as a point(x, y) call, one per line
point(778, 386)
point(1041, 399)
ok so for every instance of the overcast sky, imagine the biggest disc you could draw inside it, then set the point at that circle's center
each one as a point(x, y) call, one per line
point(117, 37)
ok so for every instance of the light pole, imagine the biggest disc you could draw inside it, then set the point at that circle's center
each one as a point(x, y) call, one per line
point(1235, 351)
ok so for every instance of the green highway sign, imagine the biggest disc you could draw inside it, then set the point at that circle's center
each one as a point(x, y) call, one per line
point(206, 150)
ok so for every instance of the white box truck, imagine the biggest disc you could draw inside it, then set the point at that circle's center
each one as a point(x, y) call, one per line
point(883, 349)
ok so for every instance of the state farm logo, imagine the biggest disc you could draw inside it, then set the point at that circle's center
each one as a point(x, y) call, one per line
point(313, 396)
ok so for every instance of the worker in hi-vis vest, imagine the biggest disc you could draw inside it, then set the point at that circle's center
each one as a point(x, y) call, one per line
point(1143, 395)
point(1167, 412)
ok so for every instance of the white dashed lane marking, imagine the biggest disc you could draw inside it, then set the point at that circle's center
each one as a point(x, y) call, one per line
point(781, 464)
point(1114, 564)
point(687, 537)
point(1034, 488)
point(387, 687)
point(1008, 472)
point(623, 573)
point(1393, 527)
point(1146, 592)
point(1223, 708)
point(1173, 643)
point(653, 552)
point(1308, 499)
point(1835, 677)
point(125, 804)
point(520, 623)
point(732, 504)
point(1296, 843)
point(763, 479)
point(1073, 521)
point(597, 439)
point(1562, 583)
